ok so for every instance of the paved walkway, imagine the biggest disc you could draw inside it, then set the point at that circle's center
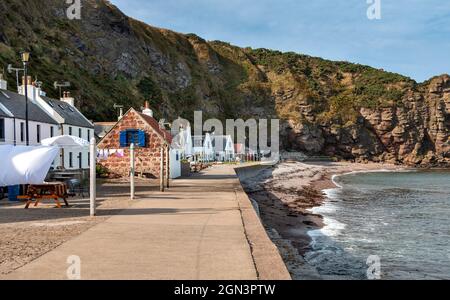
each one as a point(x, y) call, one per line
point(193, 231)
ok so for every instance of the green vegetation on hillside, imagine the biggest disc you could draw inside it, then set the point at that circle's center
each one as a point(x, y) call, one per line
point(180, 73)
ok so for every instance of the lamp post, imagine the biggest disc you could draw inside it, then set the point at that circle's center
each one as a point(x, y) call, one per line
point(25, 60)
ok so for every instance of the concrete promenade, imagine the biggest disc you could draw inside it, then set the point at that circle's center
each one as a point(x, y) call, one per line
point(202, 228)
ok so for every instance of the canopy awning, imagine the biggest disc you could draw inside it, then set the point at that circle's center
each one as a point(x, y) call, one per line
point(65, 141)
point(25, 165)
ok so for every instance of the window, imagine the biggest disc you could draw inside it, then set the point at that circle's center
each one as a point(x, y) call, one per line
point(70, 160)
point(80, 133)
point(22, 132)
point(89, 135)
point(52, 131)
point(132, 136)
point(38, 133)
point(89, 159)
point(80, 161)
point(2, 130)
point(70, 130)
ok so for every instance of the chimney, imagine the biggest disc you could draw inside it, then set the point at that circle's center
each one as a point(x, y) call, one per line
point(3, 83)
point(68, 99)
point(120, 113)
point(33, 91)
point(28, 81)
point(147, 111)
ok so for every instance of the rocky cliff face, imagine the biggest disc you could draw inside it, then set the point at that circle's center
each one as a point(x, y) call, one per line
point(330, 108)
point(416, 131)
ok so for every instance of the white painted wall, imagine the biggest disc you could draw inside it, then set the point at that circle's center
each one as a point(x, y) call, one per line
point(175, 163)
point(12, 124)
point(229, 153)
point(9, 132)
point(45, 132)
point(34, 94)
point(33, 129)
point(86, 134)
point(209, 150)
point(3, 83)
point(206, 151)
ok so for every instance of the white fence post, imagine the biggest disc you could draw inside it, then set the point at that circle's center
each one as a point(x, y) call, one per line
point(132, 171)
point(168, 167)
point(161, 172)
point(93, 185)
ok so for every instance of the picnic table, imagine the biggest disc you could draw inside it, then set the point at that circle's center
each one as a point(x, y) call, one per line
point(37, 193)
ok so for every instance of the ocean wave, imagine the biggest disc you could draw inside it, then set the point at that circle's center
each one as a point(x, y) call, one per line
point(394, 217)
point(332, 228)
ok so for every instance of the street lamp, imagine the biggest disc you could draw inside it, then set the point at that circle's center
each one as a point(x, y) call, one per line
point(26, 60)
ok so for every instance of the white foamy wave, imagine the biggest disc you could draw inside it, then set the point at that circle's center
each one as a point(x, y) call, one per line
point(331, 193)
point(326, 208)
point(332, 228)
point(334, 179)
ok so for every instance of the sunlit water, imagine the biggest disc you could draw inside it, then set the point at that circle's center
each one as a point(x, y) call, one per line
point(403, 217)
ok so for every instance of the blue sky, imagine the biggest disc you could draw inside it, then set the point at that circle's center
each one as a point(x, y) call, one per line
point(412, 37)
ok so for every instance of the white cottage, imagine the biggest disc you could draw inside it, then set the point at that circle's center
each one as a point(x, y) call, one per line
point(13, 121)
point(223, 147)
point(182, 138)
point(71, 122)
point(203, 147)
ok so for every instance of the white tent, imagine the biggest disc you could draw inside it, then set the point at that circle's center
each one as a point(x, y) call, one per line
point(25, 165)
point(65, 141)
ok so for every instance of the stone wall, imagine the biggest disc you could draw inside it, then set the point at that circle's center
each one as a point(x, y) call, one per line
point(147, 159)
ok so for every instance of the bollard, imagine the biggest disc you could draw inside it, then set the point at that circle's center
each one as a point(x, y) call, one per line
point(161, 171)
point(132, 171)
point(168, 167)
point(93, 174)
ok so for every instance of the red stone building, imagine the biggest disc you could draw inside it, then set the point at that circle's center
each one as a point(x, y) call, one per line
point(147, 135)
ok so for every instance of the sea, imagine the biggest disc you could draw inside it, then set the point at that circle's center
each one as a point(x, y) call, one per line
point(385, 225)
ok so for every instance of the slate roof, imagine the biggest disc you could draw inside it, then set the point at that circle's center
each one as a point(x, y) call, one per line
point(3, 111)
point(15, 103)
point(155, 125)
point(102, 128)
point(70, 114)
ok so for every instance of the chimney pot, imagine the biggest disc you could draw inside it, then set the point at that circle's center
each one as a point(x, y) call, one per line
point(147, 111)
point(27, 81)
point(68, 99)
